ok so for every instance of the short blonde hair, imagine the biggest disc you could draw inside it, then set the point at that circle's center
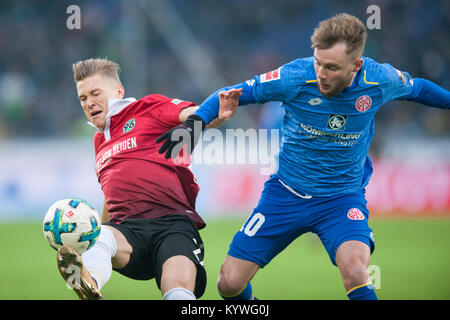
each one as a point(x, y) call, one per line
point(341, 28)
point(85, 68)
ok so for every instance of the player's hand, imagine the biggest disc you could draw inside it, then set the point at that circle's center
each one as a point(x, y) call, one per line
point(228, 103)
point(186, 133)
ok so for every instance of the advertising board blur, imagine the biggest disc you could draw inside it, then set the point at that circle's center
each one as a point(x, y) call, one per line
point(34, 174)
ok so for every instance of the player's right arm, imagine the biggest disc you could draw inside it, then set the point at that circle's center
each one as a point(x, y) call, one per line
point(277, 85)
point(281, 84)
point(228, 105)
point(209, 109)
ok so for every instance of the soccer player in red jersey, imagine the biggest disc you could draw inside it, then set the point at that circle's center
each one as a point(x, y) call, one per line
point(150, 225)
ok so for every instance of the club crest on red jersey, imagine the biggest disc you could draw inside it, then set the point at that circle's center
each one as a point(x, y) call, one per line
point(129, 125)
point(363, 103)
point(355, 214)
point(271, 75)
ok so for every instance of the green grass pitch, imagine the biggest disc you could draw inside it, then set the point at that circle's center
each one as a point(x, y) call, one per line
point(413, 257)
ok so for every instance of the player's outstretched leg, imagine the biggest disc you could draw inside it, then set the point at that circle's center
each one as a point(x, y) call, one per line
point(70, 265)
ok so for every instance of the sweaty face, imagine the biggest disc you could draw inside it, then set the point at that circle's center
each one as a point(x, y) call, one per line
point(93, 93)
point(335, 69)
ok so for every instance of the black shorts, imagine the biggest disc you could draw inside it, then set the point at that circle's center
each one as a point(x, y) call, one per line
point(156, 240)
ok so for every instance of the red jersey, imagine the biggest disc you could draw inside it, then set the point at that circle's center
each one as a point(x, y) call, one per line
point(137, 181)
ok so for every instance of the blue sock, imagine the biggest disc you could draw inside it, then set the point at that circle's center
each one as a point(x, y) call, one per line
point(364, 292)
point(245, 294)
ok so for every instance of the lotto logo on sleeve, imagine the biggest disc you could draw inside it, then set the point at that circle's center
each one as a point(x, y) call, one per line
point(270, 76)
point(355, 214)
point(363, 103)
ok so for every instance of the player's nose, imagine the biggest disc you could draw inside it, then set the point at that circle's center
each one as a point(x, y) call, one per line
point(321, 74)
point(90, 103)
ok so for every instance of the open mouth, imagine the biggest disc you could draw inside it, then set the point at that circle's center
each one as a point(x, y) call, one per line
point(94, 113)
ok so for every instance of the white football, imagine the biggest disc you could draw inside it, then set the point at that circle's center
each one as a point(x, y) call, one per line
point(72, 222)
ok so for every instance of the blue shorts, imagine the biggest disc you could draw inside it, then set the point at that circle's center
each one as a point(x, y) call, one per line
point(284, 214)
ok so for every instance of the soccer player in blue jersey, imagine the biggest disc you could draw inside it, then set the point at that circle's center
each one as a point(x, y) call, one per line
point(330, 101)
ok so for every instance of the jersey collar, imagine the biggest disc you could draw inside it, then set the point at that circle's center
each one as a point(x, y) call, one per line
point(114, 107)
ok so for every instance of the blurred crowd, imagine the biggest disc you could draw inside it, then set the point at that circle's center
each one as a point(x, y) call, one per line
point(241, 37)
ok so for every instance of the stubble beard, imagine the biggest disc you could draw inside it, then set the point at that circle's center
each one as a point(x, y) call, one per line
point(338, 88)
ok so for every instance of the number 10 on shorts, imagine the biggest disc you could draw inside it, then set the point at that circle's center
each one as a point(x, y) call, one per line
point(253, 223)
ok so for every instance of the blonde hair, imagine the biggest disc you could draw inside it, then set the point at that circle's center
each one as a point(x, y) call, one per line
point(341, 28)
point(85, 68)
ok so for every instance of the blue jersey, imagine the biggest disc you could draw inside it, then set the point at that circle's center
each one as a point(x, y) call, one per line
point(325, 141)
point(323, 163)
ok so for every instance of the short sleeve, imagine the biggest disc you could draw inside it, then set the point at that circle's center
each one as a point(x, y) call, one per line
point(167, 110)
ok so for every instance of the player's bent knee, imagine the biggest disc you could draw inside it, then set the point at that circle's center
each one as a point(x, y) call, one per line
point(229, 285)
point(354, 273)
point(229, 282)
point(355, 270)
point(234, 275)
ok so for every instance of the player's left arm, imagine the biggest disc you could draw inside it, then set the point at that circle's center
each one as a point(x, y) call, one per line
point(399, 85)
point(428, 93)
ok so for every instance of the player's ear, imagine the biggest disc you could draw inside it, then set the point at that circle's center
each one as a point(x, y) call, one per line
point(358, 64)
point(120, 91)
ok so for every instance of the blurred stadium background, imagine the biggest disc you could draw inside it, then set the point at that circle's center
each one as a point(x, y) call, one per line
point(187, 49)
